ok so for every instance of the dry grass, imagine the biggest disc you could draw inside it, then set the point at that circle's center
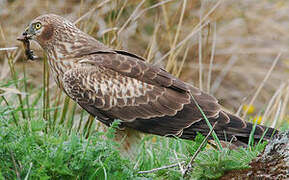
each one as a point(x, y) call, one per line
point(224, 47)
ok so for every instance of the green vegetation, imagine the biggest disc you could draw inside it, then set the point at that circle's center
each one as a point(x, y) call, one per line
point(30, 149)
point(26, 151)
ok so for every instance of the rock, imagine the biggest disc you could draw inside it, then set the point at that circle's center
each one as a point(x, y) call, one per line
point(273, 163)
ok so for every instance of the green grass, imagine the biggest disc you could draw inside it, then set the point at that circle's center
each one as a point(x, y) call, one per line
point(28, 152)
point(31, 149)
point(212, 164)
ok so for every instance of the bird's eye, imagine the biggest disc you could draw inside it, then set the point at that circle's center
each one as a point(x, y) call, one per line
point(37, 26)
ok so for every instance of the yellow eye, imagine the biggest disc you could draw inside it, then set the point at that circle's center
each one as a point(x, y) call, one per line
point(37, 26)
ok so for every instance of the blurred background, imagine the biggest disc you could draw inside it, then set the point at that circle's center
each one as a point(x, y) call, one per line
point(235, 50)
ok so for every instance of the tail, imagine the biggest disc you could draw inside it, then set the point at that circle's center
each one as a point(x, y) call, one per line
point(230, 128)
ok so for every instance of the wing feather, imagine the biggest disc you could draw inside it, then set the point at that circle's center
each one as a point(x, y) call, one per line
point(120, 96)
point(135, 67)
point(122, 86)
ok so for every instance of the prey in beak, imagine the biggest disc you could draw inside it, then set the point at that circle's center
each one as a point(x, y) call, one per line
point(25, 40)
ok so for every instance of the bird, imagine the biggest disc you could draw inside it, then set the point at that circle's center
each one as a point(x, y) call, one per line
point(115, 84)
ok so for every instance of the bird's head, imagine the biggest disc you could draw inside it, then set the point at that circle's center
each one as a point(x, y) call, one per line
point(46, 28)
point(53, 32)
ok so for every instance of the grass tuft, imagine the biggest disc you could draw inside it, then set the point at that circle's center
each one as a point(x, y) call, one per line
point(56, 155)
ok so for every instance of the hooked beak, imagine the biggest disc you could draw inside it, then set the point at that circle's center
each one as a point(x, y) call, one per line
point(24, 36)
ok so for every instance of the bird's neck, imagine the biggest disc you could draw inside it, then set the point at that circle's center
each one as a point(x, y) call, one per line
point(60, 59)
point(73, 46)
point(63, 54)
point(59, 68)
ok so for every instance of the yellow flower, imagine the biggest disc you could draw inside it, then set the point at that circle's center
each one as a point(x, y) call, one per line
point(258, 119)
point(154, 139)
point(249, 108)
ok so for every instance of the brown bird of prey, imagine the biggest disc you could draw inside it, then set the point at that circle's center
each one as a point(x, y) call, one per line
point(114, 84)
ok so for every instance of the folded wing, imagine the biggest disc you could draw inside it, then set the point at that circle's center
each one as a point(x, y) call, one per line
point(118, 85)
